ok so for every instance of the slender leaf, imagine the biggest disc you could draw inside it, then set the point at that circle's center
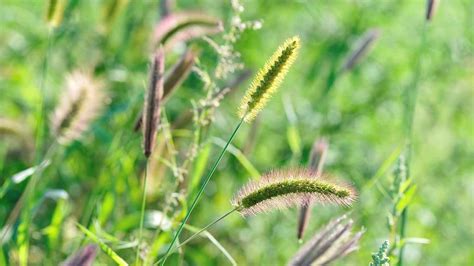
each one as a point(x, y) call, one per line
point(104, 247)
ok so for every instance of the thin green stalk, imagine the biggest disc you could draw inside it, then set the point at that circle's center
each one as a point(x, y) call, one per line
point(411, 95)
point(201, 190)
point(142, 213)
point(201, 231)
point(40, 116)
point(30, 187)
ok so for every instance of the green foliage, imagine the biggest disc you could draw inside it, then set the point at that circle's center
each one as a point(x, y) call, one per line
point(105, 248)
point(380, 258)
point(359, 111)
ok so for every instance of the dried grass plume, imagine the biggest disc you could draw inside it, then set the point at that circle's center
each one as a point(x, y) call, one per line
point(152, 109)
point(334, 241)
point(79, 105)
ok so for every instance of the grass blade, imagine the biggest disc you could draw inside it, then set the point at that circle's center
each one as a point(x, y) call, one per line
point(104, 247)
point(240, 156)
point(213, 241)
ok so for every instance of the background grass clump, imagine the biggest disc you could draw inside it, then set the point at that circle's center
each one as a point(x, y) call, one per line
point(96, 181)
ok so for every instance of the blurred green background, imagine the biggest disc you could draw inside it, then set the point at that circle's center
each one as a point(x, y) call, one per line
point(360, 113)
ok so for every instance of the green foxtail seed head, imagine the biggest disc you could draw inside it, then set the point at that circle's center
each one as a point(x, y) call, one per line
point(281, 189)
point(268, 79)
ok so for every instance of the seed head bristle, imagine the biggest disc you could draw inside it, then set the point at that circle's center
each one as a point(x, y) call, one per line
point(152, 108)
point(268, 79)
point(78, 107)
point(281, 189)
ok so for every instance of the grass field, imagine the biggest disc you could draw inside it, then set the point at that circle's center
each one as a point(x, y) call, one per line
point(388, 93)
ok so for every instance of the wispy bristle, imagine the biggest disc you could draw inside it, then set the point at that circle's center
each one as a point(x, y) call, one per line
point(365, 44)
point(316, 164)
point(281, 189)
point(268, 79)
point(78, 107)
point(151, 115)
point(334, 241)
point(431, 6)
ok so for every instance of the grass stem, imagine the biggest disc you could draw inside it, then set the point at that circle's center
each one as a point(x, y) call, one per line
point(201, 190)
point(411, 95)
point(201, 231)
point(142, 213)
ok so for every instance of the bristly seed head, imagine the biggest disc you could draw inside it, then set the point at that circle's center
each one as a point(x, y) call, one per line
point(152, 109)
point(332, 242)
point(173, 79)
point(282, 189)
point(268, 79)
point(78, 106)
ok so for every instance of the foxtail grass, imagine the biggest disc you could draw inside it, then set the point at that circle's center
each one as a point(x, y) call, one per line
point(269, 78)
point(173, 79)
point(282, 189)
point(151, 120)
point(79, 105)
point(152, 109)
